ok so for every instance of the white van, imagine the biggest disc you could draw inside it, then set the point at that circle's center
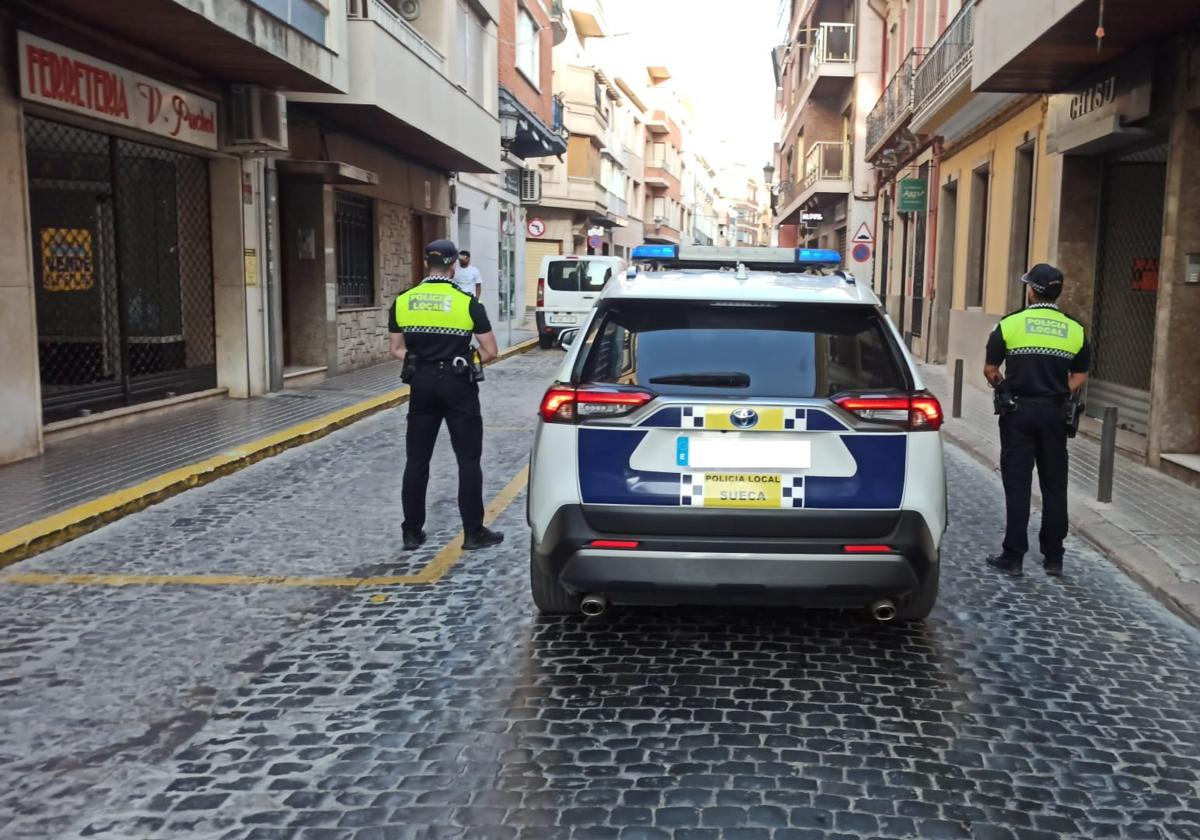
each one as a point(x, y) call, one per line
point(568, 286)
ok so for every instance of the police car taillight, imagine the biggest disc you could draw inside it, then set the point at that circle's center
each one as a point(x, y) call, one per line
point(917, 413)
point(563, 404)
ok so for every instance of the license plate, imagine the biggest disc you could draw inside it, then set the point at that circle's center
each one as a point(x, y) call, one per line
point(564, 319)
point(741, 453)
point(769, 491)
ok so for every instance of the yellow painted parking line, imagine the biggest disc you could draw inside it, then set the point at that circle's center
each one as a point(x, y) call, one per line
point(432, 572)
point(48, 532)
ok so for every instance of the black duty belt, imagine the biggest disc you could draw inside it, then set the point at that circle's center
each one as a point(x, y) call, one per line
point(1057, 402)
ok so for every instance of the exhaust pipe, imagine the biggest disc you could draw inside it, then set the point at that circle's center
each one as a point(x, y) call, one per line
point(593, 605)
point(883, 610)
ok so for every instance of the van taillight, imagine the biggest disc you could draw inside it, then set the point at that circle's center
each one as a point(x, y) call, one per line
point(541, 297)
point(563, 404)
point(917, 413)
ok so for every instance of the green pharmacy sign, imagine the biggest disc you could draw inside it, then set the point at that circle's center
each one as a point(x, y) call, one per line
point(913, 196)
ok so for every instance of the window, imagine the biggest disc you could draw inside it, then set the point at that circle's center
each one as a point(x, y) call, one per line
point(306, 16)
point(977, 236)
point(578, 275)
point(788, 351)
point(468, 53)
point(355, 245)
point(529, 47)
point(658, 155)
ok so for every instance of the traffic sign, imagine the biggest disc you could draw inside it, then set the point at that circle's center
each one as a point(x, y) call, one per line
point(535, 226)
point(595, 241)
point(861, 252)
point(863, 234)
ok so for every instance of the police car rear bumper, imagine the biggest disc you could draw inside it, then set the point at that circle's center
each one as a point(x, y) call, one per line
point(799, 569)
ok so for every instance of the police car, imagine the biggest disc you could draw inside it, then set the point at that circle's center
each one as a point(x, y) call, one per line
point(737, 426)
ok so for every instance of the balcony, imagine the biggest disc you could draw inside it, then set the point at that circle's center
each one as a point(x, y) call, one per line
point(399, 94)
point(661, 174)
point(656, 232)
point(831, 59)
point(616, 205)
point(828, 167)
point(581, 193)
point(558, 22)
point(894, 107)
point(944, 77)
point(583, 104)
point(242, 41)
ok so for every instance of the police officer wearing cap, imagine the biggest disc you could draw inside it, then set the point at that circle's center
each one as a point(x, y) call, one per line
point(1046, 357)
point(430, 328)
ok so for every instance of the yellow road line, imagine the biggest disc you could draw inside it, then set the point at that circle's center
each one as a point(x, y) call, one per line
point(432, 572)
point(48, 532)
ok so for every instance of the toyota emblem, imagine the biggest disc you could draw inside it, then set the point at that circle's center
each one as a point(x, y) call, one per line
point(743, 418)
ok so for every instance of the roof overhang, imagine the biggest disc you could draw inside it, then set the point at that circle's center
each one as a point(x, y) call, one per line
point(326, 172)
point(1042, 46)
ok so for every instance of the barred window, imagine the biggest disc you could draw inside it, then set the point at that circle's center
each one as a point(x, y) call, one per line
point(355, 244)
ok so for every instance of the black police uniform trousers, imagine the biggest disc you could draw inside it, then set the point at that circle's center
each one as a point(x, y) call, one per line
point(437, 393)
point(1034, 434)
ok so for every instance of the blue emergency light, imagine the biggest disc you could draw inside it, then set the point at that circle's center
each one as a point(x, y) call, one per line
point(818, 256)
point(655, 252)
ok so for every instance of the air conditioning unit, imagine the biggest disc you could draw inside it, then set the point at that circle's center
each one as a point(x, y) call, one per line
point(660, 220)
point(257, 119)
point(531, 186)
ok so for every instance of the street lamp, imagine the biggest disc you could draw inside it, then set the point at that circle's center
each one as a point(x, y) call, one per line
point(768, 174)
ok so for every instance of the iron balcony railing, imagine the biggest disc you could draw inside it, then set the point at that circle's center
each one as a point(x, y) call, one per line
point(896, 103)
point(826, 161)
point(556, 123)
point(388, 19)
point(833, 44)
point(948, 60)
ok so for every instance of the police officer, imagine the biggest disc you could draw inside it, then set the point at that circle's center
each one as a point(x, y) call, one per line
point(430, 331)
point(1046, 357)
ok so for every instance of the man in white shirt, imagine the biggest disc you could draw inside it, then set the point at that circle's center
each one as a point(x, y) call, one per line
point(467, 276)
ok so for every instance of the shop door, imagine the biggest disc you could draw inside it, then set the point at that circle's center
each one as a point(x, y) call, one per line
point(535, 250)
point(122, 270)
point(1127, 286)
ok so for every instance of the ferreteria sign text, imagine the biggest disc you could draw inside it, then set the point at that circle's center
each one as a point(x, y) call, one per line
point(67, 79)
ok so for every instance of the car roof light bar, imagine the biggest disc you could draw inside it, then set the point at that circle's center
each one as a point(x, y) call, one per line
point(682, 256)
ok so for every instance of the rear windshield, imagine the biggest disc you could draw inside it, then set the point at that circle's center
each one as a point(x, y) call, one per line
point(738, 350)
point(578, 275)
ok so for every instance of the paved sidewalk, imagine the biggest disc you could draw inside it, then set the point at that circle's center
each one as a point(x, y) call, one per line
point(1152, 528)
point(83, 482)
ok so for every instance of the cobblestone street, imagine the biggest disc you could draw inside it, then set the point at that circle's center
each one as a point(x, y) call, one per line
point(443, 707)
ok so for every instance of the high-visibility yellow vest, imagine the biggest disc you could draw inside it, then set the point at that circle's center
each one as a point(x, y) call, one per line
point(437, 307)
point(1042, 330)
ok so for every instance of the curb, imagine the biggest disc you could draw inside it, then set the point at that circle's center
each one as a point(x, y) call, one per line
point(55, 530)
point(1132, 557)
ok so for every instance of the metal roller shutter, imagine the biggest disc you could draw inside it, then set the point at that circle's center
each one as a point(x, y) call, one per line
point(535, 249)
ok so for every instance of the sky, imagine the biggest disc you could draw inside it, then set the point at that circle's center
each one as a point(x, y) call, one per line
point(719, 55)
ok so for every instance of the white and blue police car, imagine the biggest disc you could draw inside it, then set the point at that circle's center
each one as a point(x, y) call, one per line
point(737, 426)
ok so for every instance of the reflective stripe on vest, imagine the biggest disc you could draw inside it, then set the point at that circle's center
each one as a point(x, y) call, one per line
point(1041, 330)
point(435, 308)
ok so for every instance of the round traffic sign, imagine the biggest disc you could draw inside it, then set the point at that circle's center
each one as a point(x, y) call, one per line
point(595, 241)
point(535, 226)
point(861, 252)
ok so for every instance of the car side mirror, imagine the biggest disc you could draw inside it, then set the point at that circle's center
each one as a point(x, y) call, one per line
point(566, 338)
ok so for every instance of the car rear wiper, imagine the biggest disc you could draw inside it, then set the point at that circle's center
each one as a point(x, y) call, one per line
point(731, 379)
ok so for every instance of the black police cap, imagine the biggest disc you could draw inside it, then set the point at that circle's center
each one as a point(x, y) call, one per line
point(441, 251)
point(1044, 279)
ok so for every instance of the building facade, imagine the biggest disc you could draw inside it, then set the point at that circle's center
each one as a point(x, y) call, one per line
point(1120, 135)
point(368, 180)
point(138, 251)
point(828, 77)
